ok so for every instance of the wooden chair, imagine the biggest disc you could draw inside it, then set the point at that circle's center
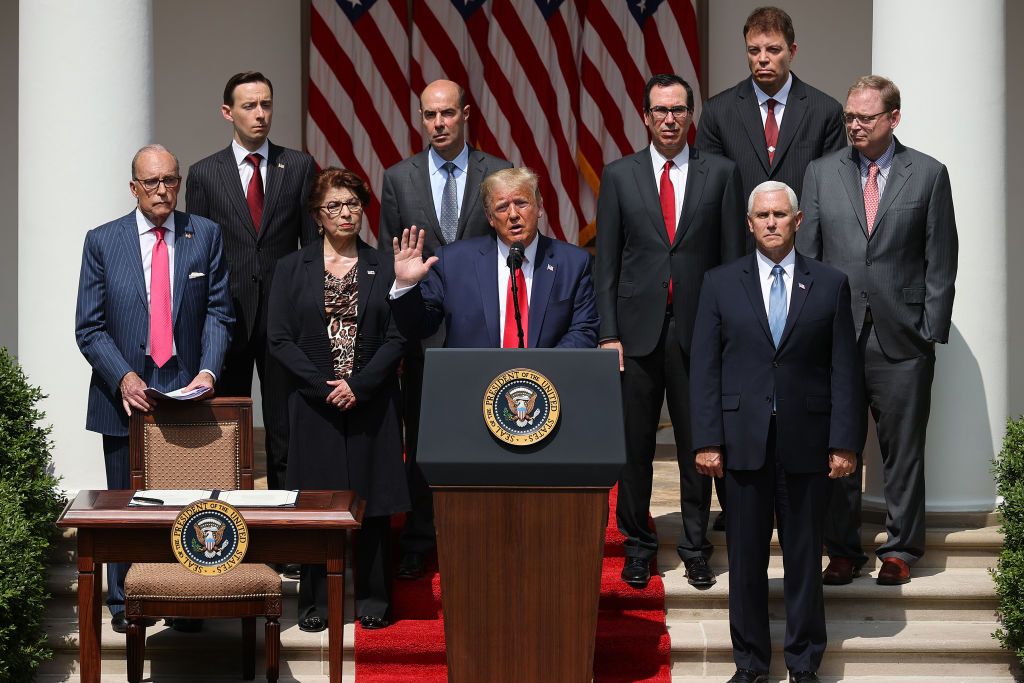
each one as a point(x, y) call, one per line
point(199, 445)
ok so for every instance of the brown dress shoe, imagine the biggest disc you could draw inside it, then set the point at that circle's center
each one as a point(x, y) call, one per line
point(894, 571)
point(839, 572)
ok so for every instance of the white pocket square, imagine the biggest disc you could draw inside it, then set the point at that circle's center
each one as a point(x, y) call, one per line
point(193, 276)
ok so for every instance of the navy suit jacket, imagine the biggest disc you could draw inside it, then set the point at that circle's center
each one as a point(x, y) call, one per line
point(462, 290)
point(112, 317)
point(814, 375)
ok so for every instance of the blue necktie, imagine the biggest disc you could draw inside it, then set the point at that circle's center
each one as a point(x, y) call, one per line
point(777, 305)
point(449, 208)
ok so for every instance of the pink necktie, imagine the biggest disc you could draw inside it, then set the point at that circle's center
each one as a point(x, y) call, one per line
point(771, 130)
point(668, 211)
point(871, 196)
point(161, 339)
point(254, 195)
point(510, 336)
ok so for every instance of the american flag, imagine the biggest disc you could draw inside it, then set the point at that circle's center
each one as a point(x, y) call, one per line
point(555, 85)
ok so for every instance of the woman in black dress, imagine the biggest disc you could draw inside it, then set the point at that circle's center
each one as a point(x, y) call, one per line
point(330, 327)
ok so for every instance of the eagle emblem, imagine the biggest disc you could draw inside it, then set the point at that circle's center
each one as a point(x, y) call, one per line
point(522, 401)
point(210, 534)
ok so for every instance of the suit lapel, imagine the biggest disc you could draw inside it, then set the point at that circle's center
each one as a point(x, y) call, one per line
point(696, 179)
point(543, 277)
point(796, 108)
point(471, 195)
point(802, 282)
point(849, 172)
point(419, 181)
point(233, 188)
point(487, 283)
point(133, 252)
point(750, 114)
point(275, 179)
point(183, 251)
point(314, 286)
point(366, 277)
point(643, 174)
point(899, 174)
point(751, 282)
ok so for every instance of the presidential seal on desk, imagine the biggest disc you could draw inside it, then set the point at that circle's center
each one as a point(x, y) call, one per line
point(521, 407)
point(209, 537)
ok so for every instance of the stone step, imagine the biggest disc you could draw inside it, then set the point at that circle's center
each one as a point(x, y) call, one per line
point(862, 679)
point(886, 650)
point(933, 595)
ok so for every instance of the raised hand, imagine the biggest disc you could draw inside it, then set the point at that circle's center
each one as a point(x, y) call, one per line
point(410, 268)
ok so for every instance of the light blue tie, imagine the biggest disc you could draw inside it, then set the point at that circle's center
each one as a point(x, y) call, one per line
point(777, 305)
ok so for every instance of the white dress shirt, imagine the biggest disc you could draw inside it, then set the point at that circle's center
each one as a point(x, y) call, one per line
point(764, 270)
point(780, 101)
point(677, 174)
point(529, 258)
point(147, 240)
point(245, 168)
point(438, 177)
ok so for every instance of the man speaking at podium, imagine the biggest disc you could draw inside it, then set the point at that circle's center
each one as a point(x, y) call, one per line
point(469, 283)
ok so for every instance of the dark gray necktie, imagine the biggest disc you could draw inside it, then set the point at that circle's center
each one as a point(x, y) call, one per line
point(449, 205)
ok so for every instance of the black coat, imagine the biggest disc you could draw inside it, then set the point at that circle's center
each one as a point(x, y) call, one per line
point(361, 448)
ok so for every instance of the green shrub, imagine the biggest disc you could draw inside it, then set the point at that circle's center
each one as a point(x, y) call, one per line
point(1009, 572)
point(29, 504)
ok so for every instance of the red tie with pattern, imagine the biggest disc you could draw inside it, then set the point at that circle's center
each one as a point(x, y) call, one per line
point(871, 196)
point(510, 337)
point(161, 341)
point(254, 195)
point(771, 130)
point(668, 211)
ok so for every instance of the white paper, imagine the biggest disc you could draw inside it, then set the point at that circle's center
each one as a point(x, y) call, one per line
point(170, 497)
point(259, 498)
point(177, 394)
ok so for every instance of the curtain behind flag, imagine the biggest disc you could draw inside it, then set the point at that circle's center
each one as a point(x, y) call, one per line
point(555, 85)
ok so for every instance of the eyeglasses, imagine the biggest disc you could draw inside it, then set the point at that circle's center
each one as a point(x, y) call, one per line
point(862, 119)
point(661, 113)
point(333, 209)
point(150, 184)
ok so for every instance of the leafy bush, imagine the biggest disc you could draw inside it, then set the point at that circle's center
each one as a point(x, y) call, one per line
point(1009, 572)
point(29, 504)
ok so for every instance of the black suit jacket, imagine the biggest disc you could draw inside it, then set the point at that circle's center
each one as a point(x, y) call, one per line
point(406, 200)
point(814, 376)
point(214, 190)
point(730, 125)
point(634, 259)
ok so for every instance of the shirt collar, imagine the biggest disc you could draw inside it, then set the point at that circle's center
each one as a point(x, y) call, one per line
point(679, 160)
point(765, 264)
point(241, 152)
point(529, 253)
point(884, 161)
point(779, 97)
point(437, 161)
point(144, 225)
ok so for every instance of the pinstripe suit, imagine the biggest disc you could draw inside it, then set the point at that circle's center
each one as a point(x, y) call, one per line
point(902, 281)
point(730, 125)
point(214, 190)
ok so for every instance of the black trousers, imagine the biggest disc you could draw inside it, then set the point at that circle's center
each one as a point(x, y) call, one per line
point(647, 381)
point(236, 380)
point(372, 575)
point(899, 394)
point(798, 503)
point(418, 532)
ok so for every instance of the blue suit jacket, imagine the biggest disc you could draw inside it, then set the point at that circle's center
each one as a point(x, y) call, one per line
point(462, 290)
point(814, 375)
point(112, 318)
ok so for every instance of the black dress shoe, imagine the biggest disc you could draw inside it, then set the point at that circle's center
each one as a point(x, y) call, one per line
point(412, 566)
point(748, 676)
point(372, 623)
point(288, 571)
point(803, 677)
point(698, 573)
point(637, 572)
point(312, 624)
point(119, 622)
point(187, 625)
point(719, 524)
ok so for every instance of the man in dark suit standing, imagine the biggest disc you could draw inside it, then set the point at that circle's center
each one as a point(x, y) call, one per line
point(771, 124)
point(438, 190)
point(883, 214)
point(665, 215)
point(153, 311)
point(777, 410)
point(255, 191)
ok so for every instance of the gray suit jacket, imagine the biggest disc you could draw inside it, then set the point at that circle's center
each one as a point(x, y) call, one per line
point(905, 271)
point(406, 200)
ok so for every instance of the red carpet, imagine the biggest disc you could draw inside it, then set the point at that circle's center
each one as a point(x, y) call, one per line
point(632, 641)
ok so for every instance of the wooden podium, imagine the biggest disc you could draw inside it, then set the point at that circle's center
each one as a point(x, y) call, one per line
point(520, 529)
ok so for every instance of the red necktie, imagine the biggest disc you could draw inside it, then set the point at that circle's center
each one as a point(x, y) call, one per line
point(161, 339)
point(871, 196)
point(771, 130)
point(510, 337)
point(254, 195)
point(668, 211)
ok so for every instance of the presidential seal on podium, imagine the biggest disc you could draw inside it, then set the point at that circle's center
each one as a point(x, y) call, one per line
point(521, 407)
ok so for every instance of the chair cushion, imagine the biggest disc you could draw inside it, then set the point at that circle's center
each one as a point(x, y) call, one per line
point(165, 581)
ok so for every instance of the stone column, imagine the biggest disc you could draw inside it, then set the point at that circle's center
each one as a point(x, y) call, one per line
point(85, 105)
point(949, 61)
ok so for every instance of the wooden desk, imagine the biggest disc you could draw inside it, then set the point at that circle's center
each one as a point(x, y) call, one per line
point(312, 532)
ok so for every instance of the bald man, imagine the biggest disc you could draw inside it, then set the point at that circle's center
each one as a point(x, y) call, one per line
point(437, 190)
